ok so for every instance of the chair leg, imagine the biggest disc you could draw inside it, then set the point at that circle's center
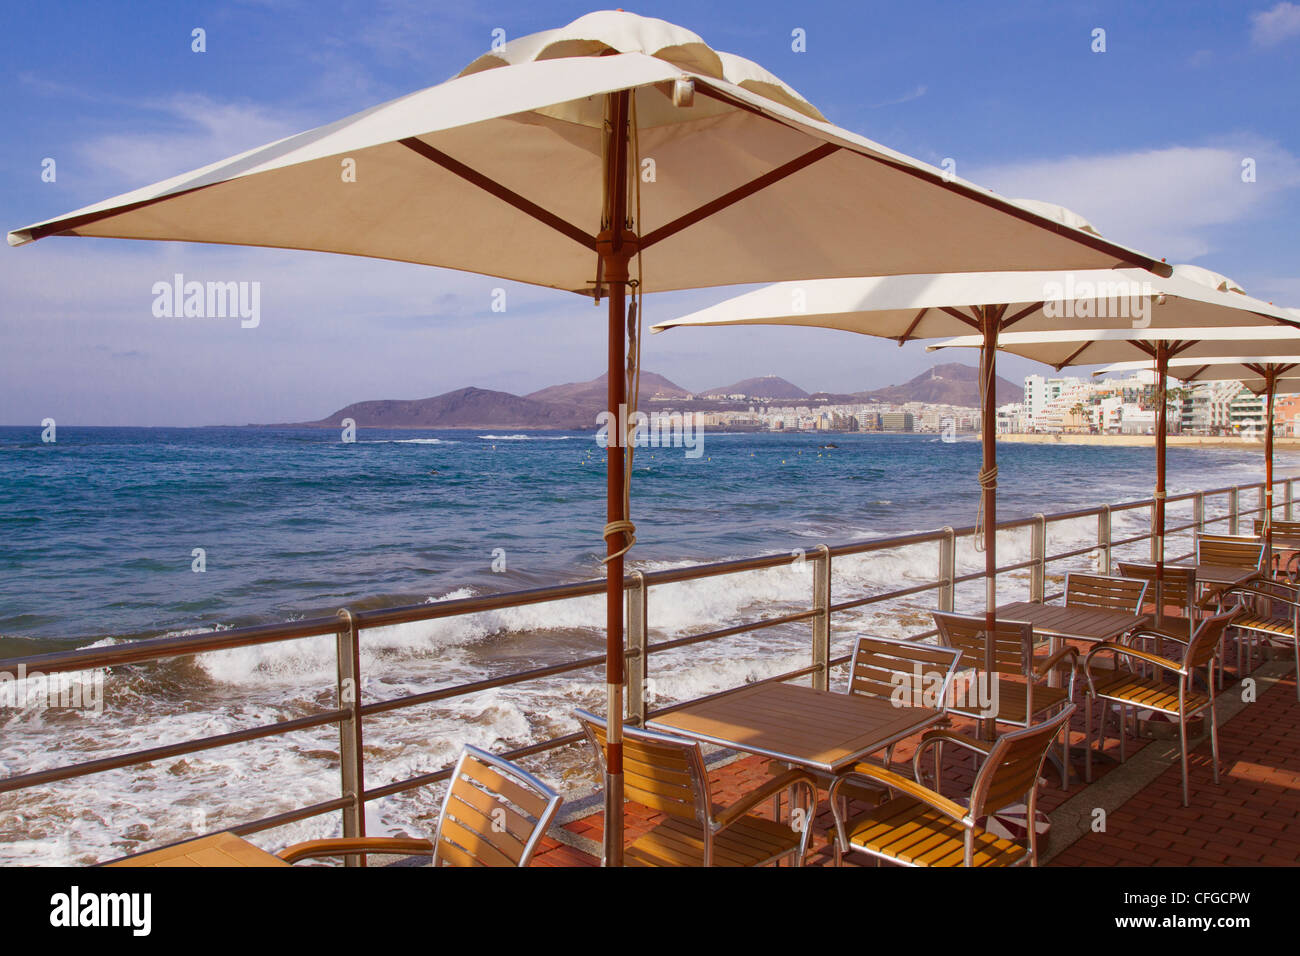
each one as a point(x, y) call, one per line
point(1296, 643)
point(1182, 739)
point(1087, 738)
point(1214, 739)
point(1123, 727)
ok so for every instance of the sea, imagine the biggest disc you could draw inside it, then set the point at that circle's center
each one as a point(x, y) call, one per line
point(118, 534)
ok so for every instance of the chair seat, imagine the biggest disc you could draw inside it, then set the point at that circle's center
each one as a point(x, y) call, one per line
point(750, 841)
point(1179, 627)
point(1152, 694)
point(916, 834)
point(1266, 624)
point(1013, 698)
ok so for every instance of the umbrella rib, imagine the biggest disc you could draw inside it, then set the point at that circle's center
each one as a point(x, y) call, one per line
point(902, 339)
point(737, 194)
point(1073, 355)
point(973, 323)
point(501, 192)
point(1023, 313)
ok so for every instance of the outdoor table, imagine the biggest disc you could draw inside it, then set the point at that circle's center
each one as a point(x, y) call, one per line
point(1058, 623)
point(1221, 577)
point(815, 729)
point(217, 850)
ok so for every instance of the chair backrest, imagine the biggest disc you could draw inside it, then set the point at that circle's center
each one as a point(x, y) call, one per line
point(1179, 584)
point(1011, 650)
point(662, 772)
point(1010, 772)
point(1100, 591)
point(1230, 551)
point(494, 813)
point(1204, 643)
point(902, 671)
point(1279, 526)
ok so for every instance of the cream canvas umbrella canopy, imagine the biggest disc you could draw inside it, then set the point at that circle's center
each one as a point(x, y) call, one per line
point(1267, 375)
point(619, 153)
point(1029, 305)
point(1240, 325)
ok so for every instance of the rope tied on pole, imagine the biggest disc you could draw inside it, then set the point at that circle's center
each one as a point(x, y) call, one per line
point(988, 479)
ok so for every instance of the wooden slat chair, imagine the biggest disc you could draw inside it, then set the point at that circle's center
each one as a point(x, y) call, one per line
point(1179, 591)
point(1102, 592)
point(1228, 551)
point(667, 774)
point(1009, 650)
point(887, 668)
point(494, 814)
point(921, 827)
point(1291, 568)
point(1269, 615)
point(1123, 687)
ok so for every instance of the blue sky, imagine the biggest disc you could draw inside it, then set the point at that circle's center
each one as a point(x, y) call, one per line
point(1145, 139)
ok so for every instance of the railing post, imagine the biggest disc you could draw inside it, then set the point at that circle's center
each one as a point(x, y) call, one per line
point(351, 756)
point(1103, 538)
point(637, 663)
point(1234, 511)
point(947, 569)
point(1038, 552)
point(1198, 512)
point(1288, 494)
point(821, 629)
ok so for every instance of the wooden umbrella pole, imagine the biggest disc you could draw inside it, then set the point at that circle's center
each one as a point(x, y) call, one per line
point(988, 471)
point(616, 247)
point(1270, 383)
point(1162, 369)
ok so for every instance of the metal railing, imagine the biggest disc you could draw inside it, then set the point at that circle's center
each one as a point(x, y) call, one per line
point(347, 626)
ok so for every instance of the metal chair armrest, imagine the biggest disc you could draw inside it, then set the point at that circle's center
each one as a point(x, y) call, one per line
point(775, 785)
point(906, 786)
point(352, 846)
point(1114, 647)
point(1045, 667)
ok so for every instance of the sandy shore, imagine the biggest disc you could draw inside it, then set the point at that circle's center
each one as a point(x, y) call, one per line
point(1174, 441)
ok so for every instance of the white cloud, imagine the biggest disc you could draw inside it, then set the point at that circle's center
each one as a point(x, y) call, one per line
point(1167, 202)
point(913, 94)
point(1273, 26)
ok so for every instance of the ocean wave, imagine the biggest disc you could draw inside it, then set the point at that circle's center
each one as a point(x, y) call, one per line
point(530, 437)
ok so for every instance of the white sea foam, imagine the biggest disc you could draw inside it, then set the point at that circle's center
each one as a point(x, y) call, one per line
point(529, 437)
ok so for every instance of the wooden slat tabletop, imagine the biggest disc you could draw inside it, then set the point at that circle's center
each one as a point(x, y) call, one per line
point(217, 850)
point(1218, 574)
point(810, 728)
point(1071, 623)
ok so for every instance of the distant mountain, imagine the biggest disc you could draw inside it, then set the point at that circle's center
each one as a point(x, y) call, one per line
point(950, 384)
point(463, 408)
point(576, 405)
point(593, 394)
point(768, 386)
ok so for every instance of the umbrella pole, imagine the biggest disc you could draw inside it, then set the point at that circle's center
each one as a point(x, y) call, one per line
point(1162, 369)
point(1270, 382)
point(988, 471)
point(616, 247)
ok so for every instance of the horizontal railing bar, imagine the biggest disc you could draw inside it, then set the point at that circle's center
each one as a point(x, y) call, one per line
point(157, 648)
point(22, 781)
point(776, 679)
point(424, 780)
point(292, 816)
point(888, 596)
point(733, 630)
